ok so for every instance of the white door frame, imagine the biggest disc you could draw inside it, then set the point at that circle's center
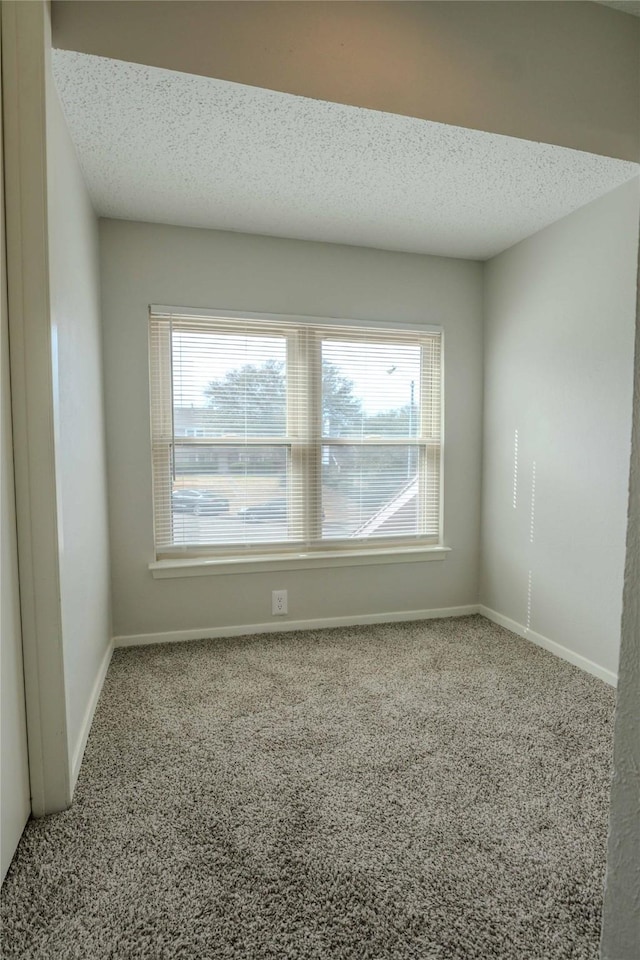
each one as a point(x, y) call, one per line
point(26, 46)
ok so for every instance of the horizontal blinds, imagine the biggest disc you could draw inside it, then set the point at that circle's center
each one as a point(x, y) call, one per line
point(292, 434)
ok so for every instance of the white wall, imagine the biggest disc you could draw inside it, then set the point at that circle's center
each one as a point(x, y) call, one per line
point(74, 285)
point(148, 263)
point(559, 330)
point(621, 915)
point(14, 771)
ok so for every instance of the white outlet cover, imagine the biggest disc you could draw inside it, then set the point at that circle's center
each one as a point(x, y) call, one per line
point(279, 605)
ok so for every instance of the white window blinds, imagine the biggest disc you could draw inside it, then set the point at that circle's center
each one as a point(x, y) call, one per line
point(276, 434)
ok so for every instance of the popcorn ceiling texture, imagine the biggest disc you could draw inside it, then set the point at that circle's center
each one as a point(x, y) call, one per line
point(627, 6)
point(433, 790)
point(167, 147)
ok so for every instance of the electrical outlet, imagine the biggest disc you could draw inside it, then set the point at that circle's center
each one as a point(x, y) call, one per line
point(279, 602)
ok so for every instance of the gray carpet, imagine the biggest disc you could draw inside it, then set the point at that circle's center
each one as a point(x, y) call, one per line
point(418, 790)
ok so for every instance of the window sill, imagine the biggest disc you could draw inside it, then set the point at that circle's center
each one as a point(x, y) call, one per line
point(203, 567)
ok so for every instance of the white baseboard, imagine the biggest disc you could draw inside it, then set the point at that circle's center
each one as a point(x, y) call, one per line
point(575, 658)
point(78, 753)
point(281, 626)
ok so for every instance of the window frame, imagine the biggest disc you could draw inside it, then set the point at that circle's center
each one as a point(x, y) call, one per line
point(304, 334)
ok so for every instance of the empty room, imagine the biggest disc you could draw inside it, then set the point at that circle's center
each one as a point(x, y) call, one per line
point(320, 466)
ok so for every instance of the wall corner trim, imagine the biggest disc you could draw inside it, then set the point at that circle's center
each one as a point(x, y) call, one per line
point(25, 43)
point(286, 626)
point(87, 721)
point(551, 645)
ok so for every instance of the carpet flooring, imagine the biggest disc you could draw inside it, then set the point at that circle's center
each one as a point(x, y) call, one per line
point(434, 790)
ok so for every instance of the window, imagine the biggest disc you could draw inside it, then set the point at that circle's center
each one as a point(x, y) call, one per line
point(277, 435)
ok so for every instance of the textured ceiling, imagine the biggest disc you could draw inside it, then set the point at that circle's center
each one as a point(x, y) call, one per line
point(170, 147)
point(627, 6)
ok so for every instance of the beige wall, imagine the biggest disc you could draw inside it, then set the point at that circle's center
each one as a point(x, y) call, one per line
point(558, 72)
point(559, 332)
point(147, 263)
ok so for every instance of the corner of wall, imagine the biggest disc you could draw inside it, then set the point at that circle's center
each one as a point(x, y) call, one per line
point(25, 40)
point(553, 510)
